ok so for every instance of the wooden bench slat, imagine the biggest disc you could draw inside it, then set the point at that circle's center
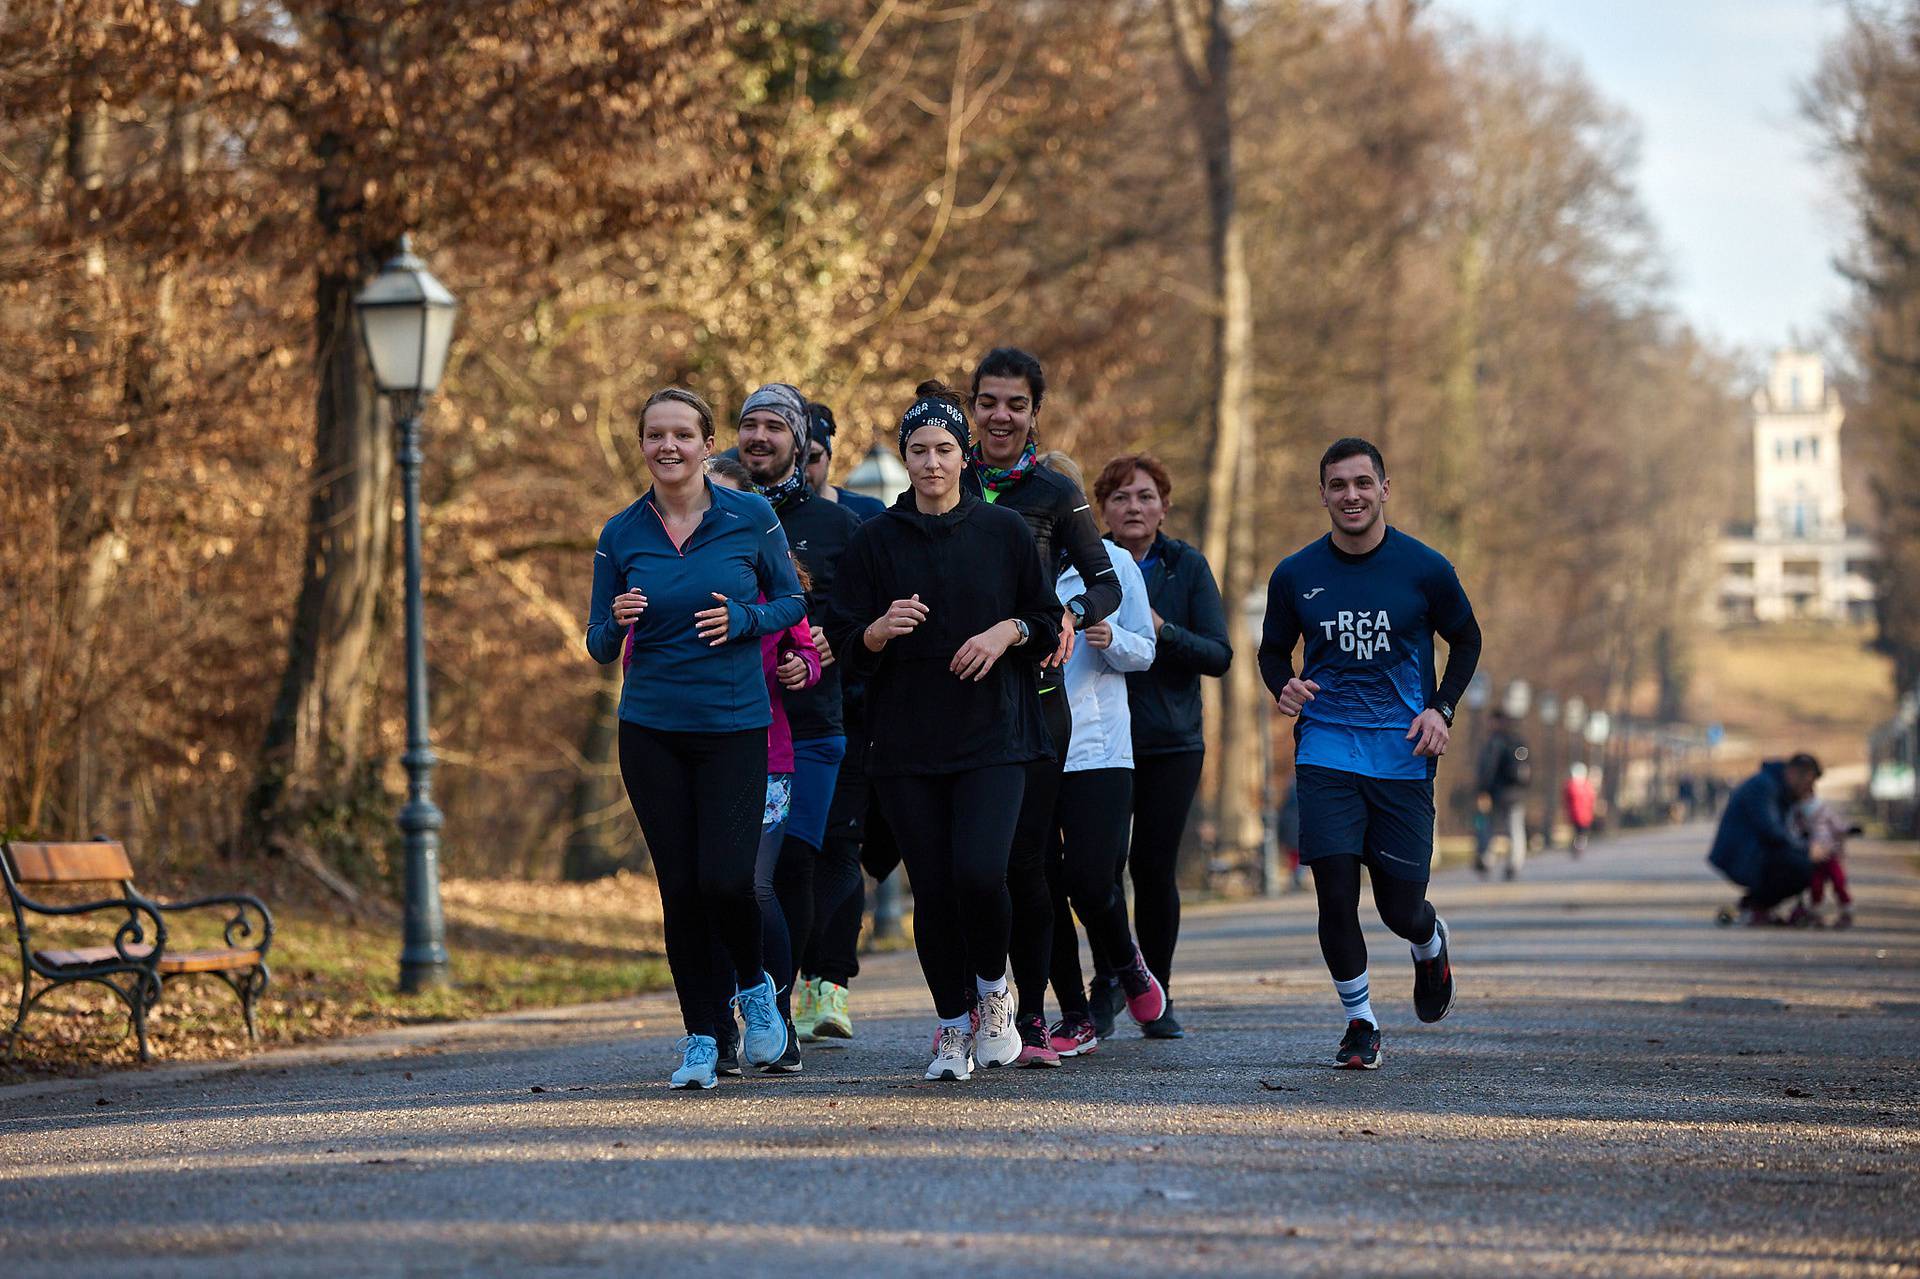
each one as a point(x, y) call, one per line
point(91, 862)
point(178, 961)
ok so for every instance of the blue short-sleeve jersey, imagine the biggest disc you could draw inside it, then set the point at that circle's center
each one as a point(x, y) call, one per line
point(677, 680)
point(1367, 623)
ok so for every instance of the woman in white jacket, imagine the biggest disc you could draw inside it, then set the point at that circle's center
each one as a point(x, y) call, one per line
point(1096, 804)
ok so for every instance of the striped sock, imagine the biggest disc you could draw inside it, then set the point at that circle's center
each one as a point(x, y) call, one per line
point(1355, 998)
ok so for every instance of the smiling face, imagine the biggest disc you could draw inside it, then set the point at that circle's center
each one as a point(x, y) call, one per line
point(1003, 413)
point(766, 446)
point(1355, 497)
point(933, 462)
point(817, 457)
point(1135, 511)
point(673, 443)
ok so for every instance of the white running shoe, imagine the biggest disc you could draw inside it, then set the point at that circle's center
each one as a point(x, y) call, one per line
point(997, 1041)
point(952, 1054)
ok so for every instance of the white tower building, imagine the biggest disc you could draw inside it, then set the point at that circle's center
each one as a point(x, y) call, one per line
point(1799, 559)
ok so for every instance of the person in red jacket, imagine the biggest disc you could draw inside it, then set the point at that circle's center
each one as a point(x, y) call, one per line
point(1577, 794)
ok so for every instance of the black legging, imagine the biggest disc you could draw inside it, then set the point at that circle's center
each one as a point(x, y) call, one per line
point(1032, 943)
point(699, 798)
point(1095, 808)
point(832, 949)
point(1163, 790)
point(954, 830)
point(1402, 904)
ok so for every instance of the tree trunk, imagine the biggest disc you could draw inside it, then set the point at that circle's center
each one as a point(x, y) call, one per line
point(1204, 45)
point(595, 809)
point(315, 738)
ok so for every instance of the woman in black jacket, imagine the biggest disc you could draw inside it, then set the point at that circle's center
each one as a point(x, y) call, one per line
point(941, 606)
point(1190, 633)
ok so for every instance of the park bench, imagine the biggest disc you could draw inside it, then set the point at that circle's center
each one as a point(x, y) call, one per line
point(138, 964)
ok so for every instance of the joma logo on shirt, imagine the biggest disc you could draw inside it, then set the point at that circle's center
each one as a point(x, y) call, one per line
point(1363, 634)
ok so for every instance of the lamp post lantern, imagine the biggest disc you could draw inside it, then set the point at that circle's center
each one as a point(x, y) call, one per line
point(406, 317)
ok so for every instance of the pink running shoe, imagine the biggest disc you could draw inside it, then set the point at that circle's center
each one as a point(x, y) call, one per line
point(1073, 1036)
point(1035, 1047)
point(1146, 998)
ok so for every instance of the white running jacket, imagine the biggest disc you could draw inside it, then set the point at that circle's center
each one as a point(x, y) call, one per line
point(1096, 679)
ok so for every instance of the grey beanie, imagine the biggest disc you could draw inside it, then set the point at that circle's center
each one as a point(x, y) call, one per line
point(786, 400)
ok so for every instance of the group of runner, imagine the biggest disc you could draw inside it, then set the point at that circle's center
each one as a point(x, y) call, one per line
point(974, 683)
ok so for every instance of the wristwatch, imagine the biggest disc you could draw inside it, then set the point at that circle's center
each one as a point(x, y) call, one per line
point(1078, 607)
point(1446, 711)
point(1021, 626)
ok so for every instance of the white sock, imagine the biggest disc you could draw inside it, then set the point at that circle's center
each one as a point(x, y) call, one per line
point(1354, 997)
point(963, 1022)
point(1430, 949)
point(998, 986)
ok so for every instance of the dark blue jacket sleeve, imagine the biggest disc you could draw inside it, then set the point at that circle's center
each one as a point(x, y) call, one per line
point(604, 638)
point(786, 602)
point(1453, 621)
point(1279, 635)
point(1201, 645)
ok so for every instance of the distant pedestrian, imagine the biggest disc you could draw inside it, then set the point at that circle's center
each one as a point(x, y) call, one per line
point(1373, 723)
point(941, 607)
point(1135, 494)
point(1578, 796)
point(1505, 771)
point(1755, 844)
point(682, 568)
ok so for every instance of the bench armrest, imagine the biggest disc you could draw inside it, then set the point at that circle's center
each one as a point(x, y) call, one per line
point(251, 926)
point(130, 932)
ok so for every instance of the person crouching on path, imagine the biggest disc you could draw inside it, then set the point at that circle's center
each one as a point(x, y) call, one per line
point(1755, 844)
point(940, 605)
point(1373, 723)
point(680, 568)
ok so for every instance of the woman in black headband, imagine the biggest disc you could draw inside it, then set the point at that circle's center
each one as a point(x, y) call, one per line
point(941, 606)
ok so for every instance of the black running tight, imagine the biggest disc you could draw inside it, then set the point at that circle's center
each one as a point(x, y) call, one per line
point(1163, 790)
point(1096, 806)
point(1032, 956)
point(1402, 904)
point(954, 830)
point(699, 798)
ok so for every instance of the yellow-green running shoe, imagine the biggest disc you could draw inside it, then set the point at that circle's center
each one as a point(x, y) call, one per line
point(806, 1008)
point(831, 1018)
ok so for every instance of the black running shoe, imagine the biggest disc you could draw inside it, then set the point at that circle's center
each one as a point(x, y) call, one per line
point(789, 1063)
point(1433, 980)
point(1359, 1048)
point(1164, 1026)
point(1105, 999)
point(728, 1062)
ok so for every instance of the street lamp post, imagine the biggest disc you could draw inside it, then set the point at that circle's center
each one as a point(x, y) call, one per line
point(406, 317)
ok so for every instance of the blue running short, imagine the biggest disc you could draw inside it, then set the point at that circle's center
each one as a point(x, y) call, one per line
point(1386, 822)
point(816, 767)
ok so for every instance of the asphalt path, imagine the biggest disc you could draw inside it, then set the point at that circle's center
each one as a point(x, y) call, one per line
point(1622, 1089)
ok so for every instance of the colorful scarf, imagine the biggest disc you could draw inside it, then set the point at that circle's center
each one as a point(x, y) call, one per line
point(788, 490)
point(996, 479)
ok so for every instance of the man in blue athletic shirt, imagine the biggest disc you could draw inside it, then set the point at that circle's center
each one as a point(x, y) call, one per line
point(1373, 722)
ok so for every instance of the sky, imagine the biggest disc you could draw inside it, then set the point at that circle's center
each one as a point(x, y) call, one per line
point(1747, 214)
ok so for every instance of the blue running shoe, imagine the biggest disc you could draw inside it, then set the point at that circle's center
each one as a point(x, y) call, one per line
point(698, 1053)
point(766, 1039)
